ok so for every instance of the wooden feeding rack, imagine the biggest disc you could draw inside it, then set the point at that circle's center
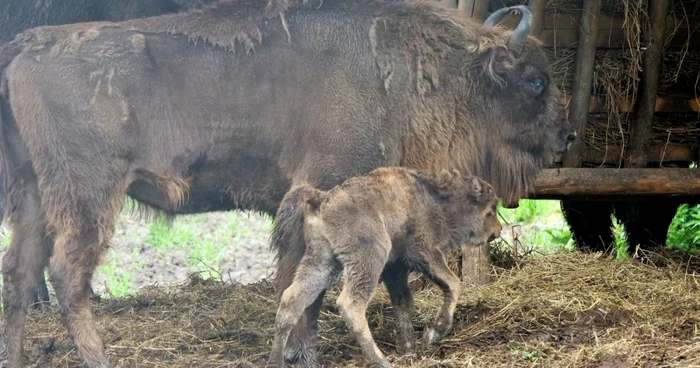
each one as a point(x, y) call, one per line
point(616, 168)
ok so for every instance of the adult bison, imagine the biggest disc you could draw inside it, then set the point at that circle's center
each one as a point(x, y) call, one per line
point(19, 15)
point(228, 106)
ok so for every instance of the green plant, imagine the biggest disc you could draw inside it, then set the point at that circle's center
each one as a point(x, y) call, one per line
point(523, 352)
point(684, 232)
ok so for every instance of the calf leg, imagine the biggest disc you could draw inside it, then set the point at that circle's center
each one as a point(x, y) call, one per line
point(440, 273)
point(362, 270)
point(313, 276)
point(26, 257)
point(395, 277)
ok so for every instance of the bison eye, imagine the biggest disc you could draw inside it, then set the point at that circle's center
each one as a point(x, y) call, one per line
point(537, 85)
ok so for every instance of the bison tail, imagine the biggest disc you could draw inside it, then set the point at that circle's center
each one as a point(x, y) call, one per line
point(287, 237)
point(8, 52)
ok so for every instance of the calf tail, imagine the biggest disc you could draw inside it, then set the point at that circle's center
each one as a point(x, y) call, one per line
point(287, 237)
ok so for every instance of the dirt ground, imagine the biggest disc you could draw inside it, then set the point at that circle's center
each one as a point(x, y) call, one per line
point(561, 310)
point(244, 257)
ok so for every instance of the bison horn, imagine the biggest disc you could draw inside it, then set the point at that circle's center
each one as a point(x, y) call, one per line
point(517, 41)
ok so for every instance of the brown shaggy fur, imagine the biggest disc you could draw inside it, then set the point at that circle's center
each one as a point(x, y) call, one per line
point(383, 225)
point(144, 107)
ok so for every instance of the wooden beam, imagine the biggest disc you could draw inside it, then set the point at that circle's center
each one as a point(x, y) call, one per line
point(581, 91)
point(640, 129)
point(558, 183)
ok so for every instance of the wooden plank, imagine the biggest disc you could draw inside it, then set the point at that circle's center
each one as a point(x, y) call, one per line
point(581, 90)
point(656, 153)
point(557, 183)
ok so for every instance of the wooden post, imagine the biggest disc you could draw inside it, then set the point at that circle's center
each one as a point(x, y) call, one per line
point(466, 7)
point(476, 264)
point(478, 9)
point(538, 9)
point(640, 129)
point(585, 58)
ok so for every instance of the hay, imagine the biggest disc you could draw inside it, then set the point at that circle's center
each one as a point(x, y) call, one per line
point(680, 69)
point(571, 309)
point(602, 132)
point(610, 7)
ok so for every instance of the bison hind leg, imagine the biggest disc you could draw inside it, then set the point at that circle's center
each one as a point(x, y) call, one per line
point(26, 258)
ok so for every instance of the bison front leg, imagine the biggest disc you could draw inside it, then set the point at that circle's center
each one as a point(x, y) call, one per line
point(440, 273)
point(395, 277)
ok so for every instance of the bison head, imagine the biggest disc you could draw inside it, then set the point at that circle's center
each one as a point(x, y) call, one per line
point(489, 91)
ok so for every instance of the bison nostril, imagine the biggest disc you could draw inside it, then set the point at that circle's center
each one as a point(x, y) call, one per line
point(571, 137)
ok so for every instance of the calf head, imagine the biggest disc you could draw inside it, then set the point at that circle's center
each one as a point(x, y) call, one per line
point(470, 207)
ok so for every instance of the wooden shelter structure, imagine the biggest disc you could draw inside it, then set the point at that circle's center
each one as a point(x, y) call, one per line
point(630, 70)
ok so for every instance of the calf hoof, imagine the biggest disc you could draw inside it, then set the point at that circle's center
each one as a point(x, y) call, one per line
point(406, 346)
point(300, 357)
point(434, 334)
point(381, 363)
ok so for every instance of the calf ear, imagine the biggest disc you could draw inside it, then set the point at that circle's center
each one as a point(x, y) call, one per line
point(476, 189)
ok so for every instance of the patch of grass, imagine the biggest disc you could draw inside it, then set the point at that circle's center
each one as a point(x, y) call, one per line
point(162, 237)
point(541, 225)
point(204, 256)
point(530, 210)
point(118, 282)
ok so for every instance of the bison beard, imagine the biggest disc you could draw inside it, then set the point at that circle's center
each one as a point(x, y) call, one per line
point(227, 107)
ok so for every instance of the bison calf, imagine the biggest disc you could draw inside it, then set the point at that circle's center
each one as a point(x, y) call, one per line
point(384, 225)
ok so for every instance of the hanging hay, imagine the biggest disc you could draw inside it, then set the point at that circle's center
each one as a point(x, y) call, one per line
point(567, 309)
